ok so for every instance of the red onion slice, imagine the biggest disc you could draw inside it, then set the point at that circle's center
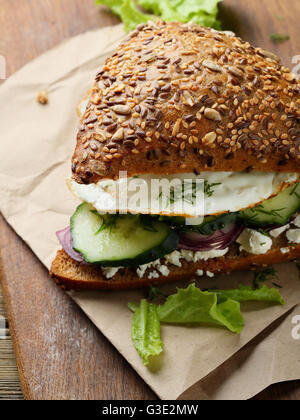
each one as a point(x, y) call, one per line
point(65, 238)
point(220, 239)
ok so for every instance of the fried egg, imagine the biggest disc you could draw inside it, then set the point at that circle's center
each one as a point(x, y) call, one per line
point(217, 192)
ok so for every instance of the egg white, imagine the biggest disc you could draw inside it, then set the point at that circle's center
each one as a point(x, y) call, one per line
point(235, 191)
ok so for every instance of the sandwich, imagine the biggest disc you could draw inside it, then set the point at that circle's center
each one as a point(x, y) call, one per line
point(182, 102)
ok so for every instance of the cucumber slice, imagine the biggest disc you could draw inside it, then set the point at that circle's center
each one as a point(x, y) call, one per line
point(210, 223)
point(172, 220)
point(213, 223)
point(119, 240)
point(275, 211)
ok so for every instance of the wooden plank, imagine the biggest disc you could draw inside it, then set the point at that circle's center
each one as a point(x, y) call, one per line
point(10, 387)
point(60, 354)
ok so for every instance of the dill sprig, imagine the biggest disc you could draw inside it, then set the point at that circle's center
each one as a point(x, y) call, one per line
point(109, 221)
point(264, 232)
point(154, 293)
point(208, 188)
point(263, 276)
point(184, 193)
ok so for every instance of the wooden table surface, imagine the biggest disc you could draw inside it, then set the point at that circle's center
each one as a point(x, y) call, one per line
point(59, 353)
point(10, 388)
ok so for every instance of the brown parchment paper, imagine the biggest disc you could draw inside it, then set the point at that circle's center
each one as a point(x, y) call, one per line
point(36, 146)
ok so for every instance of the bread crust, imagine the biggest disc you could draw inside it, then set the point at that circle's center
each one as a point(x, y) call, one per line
point(178, 98)
point(70, 274)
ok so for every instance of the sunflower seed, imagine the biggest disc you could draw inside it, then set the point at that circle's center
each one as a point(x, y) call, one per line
point(119, 134)
point(235, 71)
point(122, 109)
point(211, 65)
point(209, 137)
point(212, 114)
point(269, 54)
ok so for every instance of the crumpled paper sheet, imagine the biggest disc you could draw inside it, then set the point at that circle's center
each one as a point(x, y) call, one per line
point(36, 146)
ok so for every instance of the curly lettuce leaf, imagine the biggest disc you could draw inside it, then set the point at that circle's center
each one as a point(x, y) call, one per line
point(145, 331)
point(192, 306)
point(127, 11)
point(166, 9)
point(203, 12)
point(114, 5)
point(245, 294)
point(132, 17)
point(228, 314)
point(151, 6)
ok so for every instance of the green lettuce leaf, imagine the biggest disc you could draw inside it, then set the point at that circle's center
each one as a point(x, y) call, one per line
point(166, 9)
point(127, 12)
point(133, 306)
point(192, 306)
point(245, 294)
point(145, 331)
point(228, 314)
point(203, 12)
point(114, 5)
point(151, 6)
point(132, 17)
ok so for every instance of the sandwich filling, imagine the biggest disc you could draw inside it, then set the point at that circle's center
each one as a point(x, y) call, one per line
point(242, 210)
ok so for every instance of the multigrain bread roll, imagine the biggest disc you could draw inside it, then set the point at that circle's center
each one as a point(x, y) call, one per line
point(182, 98)
point(179, 98)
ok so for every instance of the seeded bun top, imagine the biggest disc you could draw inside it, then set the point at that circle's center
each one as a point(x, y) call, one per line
point(181, 98)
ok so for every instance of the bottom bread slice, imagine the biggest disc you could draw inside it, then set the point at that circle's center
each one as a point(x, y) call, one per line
point(73, 275)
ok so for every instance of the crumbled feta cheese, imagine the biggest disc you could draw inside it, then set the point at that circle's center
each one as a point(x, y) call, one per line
point(142, 268)
point(277, 232)
point(174, 258)
point(191, 256)
point(109, 272)
point(206, 255)
point(293, 236)
point(153, 275)
point(285, 250)
point(210, 274)
point(187, 255)
point(296, 222)
point(199, 273)
point(163, 269)
point(254, 242)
